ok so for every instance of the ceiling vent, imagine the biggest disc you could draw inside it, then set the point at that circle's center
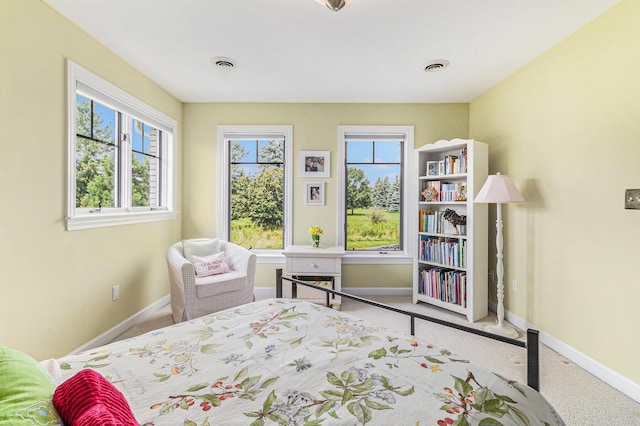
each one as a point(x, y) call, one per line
point(224, 63)
point(436, 65)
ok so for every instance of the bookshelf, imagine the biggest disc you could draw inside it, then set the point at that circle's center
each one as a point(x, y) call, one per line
point(450, 265)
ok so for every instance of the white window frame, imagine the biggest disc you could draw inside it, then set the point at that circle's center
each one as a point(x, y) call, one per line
point(83, 81)
point(404, 256)
point(224, 186)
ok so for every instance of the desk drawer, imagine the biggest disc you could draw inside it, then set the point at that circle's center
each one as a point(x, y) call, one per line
point(311, 266)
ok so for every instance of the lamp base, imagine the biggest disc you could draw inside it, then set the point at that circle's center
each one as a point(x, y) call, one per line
point(502, 330)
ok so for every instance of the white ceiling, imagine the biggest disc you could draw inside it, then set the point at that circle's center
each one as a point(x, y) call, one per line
point(300, 51)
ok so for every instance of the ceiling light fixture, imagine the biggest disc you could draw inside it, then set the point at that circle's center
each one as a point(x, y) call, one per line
point(334, 5)
point(223, 62)
point(436, 65)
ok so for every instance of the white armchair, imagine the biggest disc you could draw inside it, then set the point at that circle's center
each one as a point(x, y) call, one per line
point(193, 296)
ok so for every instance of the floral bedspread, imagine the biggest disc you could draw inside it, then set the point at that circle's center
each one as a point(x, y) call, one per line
point(292, 362)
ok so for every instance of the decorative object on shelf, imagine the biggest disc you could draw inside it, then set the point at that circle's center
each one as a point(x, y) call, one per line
point(334, 5)
point(462, 192)
point(430, 194)
point(315, 164)
point(315, 232)
point(314, 194)
point(499, 190)
point(432, 168)
point(458, 222)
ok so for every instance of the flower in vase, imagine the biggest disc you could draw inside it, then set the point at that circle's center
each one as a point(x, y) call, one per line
point(315, 231)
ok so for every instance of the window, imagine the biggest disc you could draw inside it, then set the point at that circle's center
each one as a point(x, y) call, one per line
point(374, 175)
point(121, 165)
point(255, 182)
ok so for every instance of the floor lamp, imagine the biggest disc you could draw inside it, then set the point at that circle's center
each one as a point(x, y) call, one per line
point(499, 190)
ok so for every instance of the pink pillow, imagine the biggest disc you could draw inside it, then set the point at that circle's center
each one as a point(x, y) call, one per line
point(210, 265)
point(88, 399)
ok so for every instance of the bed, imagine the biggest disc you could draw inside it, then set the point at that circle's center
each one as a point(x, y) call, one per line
point(294, 362)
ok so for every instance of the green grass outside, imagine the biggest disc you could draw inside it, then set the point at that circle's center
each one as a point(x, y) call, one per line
point(363, 234)
point(247, 234)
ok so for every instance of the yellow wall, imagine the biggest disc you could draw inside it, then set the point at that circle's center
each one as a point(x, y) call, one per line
point(314, 128)
point(55, 286)
point(566, 128)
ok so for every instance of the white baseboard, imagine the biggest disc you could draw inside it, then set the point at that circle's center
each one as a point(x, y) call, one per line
point(602, 372)
point(125, 325)
point(378, 291)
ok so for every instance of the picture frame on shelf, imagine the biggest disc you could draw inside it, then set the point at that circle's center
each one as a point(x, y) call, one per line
point(441, 167)
point(432, 168)
point(315, 164)
point(314, 194)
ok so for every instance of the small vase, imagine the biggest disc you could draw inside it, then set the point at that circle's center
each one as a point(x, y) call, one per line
point(315, 241)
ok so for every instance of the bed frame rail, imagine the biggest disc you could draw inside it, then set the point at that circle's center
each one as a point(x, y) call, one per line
point(531, 344)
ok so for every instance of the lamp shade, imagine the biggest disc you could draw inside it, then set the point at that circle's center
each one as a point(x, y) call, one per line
point(500, 189)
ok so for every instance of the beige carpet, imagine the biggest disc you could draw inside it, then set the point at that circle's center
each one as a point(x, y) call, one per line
point(579, 397)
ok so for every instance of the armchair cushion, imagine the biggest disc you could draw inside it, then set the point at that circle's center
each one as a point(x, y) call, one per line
point(200, 247)
point(210, 265)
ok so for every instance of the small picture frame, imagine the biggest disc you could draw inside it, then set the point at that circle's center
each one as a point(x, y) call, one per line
point(441, 167)
point(315, 164)
point(314, 194)
point(432, 168)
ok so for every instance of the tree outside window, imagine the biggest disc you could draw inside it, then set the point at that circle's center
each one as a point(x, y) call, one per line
point(257, 193)
point(99, 154)
point(373, 188)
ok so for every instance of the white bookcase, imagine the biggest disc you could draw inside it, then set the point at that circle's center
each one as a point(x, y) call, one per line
point(450, 269)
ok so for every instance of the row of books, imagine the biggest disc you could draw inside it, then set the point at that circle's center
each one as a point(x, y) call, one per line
point(444, 284)
point(442, 250)
point(452, 164)
point(453, 191)
point(433, 221)
point(444, 191)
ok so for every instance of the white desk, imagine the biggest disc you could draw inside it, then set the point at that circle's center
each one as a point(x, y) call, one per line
point(306, 261)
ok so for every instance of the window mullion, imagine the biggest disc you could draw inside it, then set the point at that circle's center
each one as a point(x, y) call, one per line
point(124, 155)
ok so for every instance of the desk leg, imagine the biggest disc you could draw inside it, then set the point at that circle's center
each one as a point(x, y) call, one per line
point(279, 283)
point(337, 300)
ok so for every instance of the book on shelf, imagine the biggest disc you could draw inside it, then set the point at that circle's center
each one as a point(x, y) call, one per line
point(455, 164)
point(433, 222)
point(453, 191)
point(443, 250)
point(444, 284)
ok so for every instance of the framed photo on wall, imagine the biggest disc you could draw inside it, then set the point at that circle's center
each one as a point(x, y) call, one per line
point(315, 163)
point(314, 194)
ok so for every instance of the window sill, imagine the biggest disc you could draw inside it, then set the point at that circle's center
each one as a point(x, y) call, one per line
point(276, 256)
point(100, 220)
point(376, 259)
point(269, 256)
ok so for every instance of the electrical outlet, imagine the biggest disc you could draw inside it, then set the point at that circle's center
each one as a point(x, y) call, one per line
point(515, 286)
point(115, 293)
